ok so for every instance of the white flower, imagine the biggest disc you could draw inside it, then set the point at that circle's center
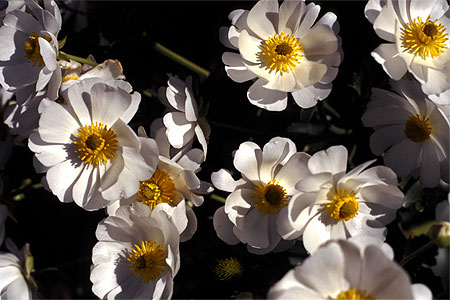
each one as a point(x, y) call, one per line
point(252, 211)
point(411, 132)
point(137, 255)
point(15, 273)
point(442, 210)
point(285, 51)
point(29, 50)
point(182, 119)
point(417, 33)
point(344, 270)
point(23, 117)
point(90, 154)
point(335, 205)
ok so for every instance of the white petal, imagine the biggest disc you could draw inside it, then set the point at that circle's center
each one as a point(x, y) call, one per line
point(333, 160)
point(290, 15)
point(261, 18)
point(385, 137)
point(223, 180)
point(108, 104)
point(223, 227)
point(393, 64)
point(385, 24)
point(56, 125)
point(179, 130)
point(310, 16)
point(308, 73)
point(373, 9)
point(249, 46)
point(321, 40)
point(420, 291)
point(190, 105)
point(247, 160)
point(429, 169)
point(403, 157)
point(294, 170)
point(307, 97)
point(316, 233)
point(267, 99)
point(388, 196)
point(23, 22)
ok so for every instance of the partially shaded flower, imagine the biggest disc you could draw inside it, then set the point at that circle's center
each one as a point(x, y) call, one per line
point(333, 204)
point(90, 154)
point(411, 132)
point(344, 270)
point(285, 51)
point(136, 256)
point(417, 33)
point(252, 211)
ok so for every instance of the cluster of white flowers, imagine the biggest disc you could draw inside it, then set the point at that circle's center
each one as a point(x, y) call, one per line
point(76, 122)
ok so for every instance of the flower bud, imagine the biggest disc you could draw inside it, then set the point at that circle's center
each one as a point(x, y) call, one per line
point(440, 234)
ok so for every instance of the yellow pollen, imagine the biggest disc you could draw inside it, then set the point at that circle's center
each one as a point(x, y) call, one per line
point(426, 39)
point(354, 294)
point(228, 268)
point(95, 144)
point(343, 206)
point(418, 128)
point(33, 50)
point(69, 77)
point(160, 188)
point(148, 260)
point(280, 53)
point(270, 197)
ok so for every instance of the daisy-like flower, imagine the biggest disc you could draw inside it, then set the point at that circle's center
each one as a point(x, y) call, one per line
point(334, 204)
point(417, 33)
point(15, 273)
point(90, 154)
point(182, 119)
point(343, 270)
point(252, 211)
point(136, 256)
point(411, 132)
point(23, 117)
point(285, 51)
point(29, 49)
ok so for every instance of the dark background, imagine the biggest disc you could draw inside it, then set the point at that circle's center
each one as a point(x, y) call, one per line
point(62, 235)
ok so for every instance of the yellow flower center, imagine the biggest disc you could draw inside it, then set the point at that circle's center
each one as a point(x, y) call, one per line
point(343, 206)
point(270, 197)
point(95, 144)
point(228, 268)
point(353, 294)
point(280, 53)
point(33, 50)
point(425, 39)
point(158, 189)
point(148, 260)
point(418, 128)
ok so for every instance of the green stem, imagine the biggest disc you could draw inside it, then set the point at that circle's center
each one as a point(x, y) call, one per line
point(81, 60)
point(217, 198)
point(331, 110)
point(181, 60)
point(416, 253)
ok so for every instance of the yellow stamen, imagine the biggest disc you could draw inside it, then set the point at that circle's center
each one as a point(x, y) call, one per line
point(33, 50)
point(354, 294)
point(270, 197)
point(280, 53)
point(148, 260)
point(426, 39)
point(95, 144)
point(69, 77)
point(418, 128)
point(343, 206)
point(160, 188)
point(228, 268)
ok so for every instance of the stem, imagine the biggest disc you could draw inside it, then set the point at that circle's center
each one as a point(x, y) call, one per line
point(416, 253)
point(217, 198)
point(331, 110)
point(81, 60)
point(181, 60)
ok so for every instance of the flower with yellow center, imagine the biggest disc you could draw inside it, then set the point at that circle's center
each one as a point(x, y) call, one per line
point(348, 270)
point(280, 53)
point(160, 188)
point(343, 206)
point(426, 39)
point(95, 144)
point(33, 50)
point(148, 260)
point(270, 198)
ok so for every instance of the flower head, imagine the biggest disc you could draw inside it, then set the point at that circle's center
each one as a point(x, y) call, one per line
point(411, 132)
point(352, 272)
point(333, 204)
point(251, 214)
point(90, 154)
point(285, 52)
point(417, 38)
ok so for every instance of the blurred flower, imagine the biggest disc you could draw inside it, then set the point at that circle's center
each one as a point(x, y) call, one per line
point(90, 154)
point(182, 119)
point(418, 36)
point(343, 270)
point(252, 211)
point(29, 50)
point(282, 48)
point(136, 256)
point(411, 132)
point(338, 205)
point(15, 273)
point(442, 210)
